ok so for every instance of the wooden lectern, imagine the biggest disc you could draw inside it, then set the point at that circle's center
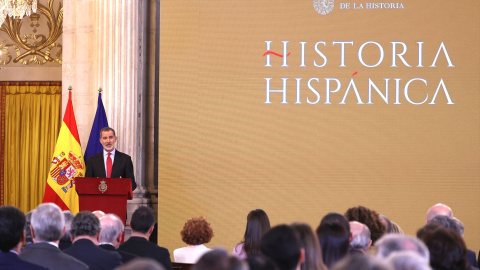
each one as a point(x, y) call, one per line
point(109, 195)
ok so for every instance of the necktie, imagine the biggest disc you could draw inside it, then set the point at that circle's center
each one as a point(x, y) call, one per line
point(109, 166)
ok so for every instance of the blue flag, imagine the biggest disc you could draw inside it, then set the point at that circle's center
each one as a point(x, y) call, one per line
point(94, 146)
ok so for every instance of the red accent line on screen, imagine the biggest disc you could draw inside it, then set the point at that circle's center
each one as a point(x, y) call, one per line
point(274, 53)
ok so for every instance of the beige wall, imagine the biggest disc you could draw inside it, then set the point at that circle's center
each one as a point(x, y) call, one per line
point(223, 151)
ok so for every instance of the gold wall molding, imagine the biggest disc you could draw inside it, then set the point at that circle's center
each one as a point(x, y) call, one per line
point(33, 47)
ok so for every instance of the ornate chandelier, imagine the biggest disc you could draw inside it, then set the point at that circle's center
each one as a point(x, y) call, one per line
point(16, 9)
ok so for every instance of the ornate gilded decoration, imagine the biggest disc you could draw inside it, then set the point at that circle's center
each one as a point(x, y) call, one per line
point(40, 48)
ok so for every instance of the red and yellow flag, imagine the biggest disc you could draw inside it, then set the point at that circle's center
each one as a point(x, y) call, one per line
point(67, 163)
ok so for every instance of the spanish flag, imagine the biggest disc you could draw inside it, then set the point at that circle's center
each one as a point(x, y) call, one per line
point(67, 163)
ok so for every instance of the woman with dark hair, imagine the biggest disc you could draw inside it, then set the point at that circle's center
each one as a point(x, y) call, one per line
point(257, 225)
point(195, 233)
point(334, 235)
point(446, 246)
point(309, 242)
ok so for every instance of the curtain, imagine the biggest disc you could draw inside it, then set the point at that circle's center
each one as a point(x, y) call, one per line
point(32, 121)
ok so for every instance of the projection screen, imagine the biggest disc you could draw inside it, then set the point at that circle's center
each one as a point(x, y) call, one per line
point(307, 107)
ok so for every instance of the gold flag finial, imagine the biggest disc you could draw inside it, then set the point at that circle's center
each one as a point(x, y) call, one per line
point(100, 89)
point(70, 88)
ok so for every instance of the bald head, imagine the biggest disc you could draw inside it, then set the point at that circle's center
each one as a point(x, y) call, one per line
point(439, 209)
point(98, 213)
point(360, 236)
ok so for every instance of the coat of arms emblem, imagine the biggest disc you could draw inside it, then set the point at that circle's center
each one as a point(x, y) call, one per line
point(103, 186)
point(66, 167)
point(323, 6)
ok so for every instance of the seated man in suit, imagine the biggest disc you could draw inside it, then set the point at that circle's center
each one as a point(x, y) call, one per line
point(111, 235)
point(12, 222)
point(85, 232)
point(142, 224)
point(66, 240)
point(110, 163)
point(47, 227)
point(28, 233)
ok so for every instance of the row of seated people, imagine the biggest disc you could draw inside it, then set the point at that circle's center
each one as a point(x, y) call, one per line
point(359, 239)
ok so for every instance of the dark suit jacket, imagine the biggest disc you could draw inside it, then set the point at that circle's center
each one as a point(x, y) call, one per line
point(125, 255)
point(143, 248)
point(9, 260)
point(51, 257)
point(96, 258)
point(122, 167)
point(64, 243)
point(471, 256)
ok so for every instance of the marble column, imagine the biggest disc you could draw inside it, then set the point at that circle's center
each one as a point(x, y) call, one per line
point(104, 47)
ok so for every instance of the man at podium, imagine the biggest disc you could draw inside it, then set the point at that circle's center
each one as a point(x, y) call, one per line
point(110, 163)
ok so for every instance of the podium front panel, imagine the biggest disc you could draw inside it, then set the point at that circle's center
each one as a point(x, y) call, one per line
point(109, 195)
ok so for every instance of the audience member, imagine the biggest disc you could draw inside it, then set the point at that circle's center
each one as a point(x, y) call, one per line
point(111, 235)
point(235, 263)
point(386, 222)
point(456, 225)
point(391, 243)
point(368, 217)
point(447, 249)
point(141, 264)
point(195, 233)
point(282, 245)
point(334, 236)
point(216, 259)
point(439, 209)
point(472, 259)
point(361, 262)
point(361, 240)
point(142, 224)
point(396, 228)
point(408, 260)
point(446, 222)
point(98, 213)
point(28, 232)
point(85, 232)
point(47, 227)
point(310, 244)
point(66, 240)
point(257, 225)
point(12, 235)
point(261, 262)
point(461, 227)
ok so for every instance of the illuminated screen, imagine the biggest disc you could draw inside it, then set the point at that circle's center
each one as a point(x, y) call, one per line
point(307, 107)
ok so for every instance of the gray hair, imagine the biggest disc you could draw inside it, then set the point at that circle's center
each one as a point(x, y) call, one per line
point(361, 262)
point(112, 227)
point(461, 227)
point(408, 260)
point(68, 221)
point(446, 222)
point(390, 243)
point(361, 240)
point(85, 223)
point(48, 222)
